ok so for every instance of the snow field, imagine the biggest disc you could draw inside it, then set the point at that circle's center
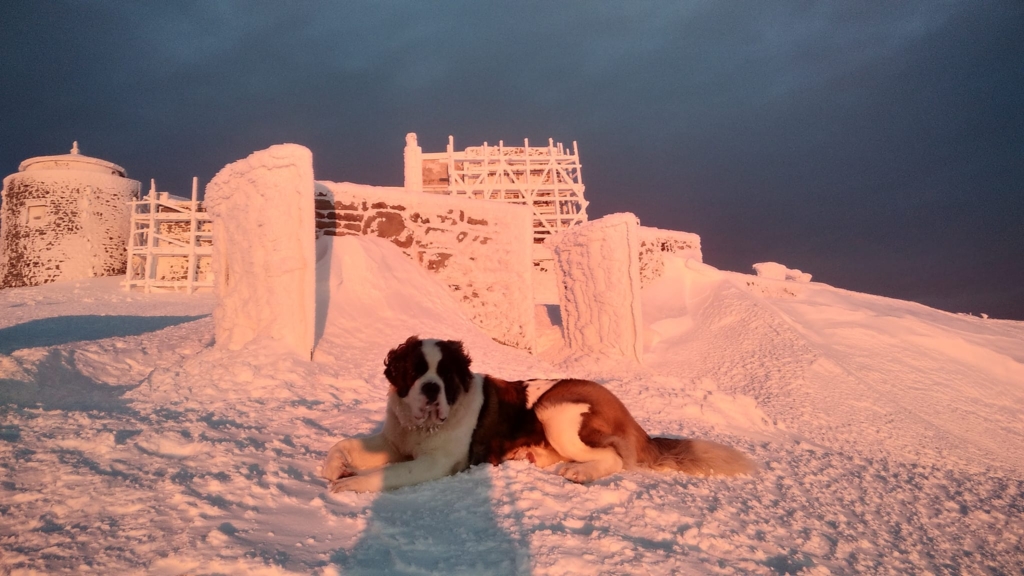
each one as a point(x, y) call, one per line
point(150, 451)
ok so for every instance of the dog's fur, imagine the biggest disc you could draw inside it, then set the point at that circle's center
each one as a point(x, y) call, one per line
point(442, 418)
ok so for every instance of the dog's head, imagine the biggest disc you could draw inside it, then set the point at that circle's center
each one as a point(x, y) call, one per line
point(428, 376)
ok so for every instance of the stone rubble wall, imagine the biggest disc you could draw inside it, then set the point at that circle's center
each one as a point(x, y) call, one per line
point(82, 235)
point(656, 243)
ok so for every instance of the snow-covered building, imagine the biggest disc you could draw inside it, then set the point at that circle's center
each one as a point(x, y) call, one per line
point(64, 217)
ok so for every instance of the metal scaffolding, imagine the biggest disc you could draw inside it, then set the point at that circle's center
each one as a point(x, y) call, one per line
point(170, 243)
point(547, 178)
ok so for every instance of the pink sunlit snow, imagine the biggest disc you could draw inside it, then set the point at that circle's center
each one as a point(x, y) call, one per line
point(889, 436)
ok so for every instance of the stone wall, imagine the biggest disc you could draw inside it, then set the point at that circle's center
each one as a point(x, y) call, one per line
point(78, 226)
point(480, 250)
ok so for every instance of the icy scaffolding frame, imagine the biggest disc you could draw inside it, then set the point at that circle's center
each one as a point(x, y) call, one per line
point(147, 244)
point(547, 178)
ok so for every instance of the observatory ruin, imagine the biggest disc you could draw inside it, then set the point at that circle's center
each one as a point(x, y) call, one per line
point(64, 217)
point(548, 179)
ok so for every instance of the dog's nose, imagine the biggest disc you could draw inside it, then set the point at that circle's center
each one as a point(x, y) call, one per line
point(431, 390)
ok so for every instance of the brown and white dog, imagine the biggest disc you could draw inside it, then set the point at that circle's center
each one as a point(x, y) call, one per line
point(442, 418)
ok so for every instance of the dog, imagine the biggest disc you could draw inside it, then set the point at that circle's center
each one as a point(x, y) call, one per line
point(442, 418)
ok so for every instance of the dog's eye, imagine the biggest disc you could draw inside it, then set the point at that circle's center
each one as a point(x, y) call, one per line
point(420, 367)
point(447, 373)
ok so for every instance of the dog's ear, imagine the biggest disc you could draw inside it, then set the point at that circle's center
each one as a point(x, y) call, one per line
point(458, 363)
point(394, 363)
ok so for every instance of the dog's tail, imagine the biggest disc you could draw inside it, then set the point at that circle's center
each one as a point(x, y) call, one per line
point(697, 457)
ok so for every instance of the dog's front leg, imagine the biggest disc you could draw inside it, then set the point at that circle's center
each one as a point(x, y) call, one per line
point(353, 455)
point(408, 473)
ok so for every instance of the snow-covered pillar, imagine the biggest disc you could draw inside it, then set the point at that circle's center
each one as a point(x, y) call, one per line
point(598, 270)
point(264, 248)
point(413, 164)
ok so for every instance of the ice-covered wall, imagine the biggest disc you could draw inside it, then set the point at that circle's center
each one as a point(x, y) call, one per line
point(480, 250)
point(656, 243)
point(265, 248)
point(61, 223)
point(598, 268)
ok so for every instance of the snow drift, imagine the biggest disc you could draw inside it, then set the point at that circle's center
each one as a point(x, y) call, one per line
point(371, 294)
point(479, 250)
point(776, 271)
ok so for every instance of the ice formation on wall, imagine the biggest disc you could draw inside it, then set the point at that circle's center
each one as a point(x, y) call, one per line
point(480, 250)
point(598, 268)
point(776, 271)
point(657, 244)
point(64, 217)
point(264, 248)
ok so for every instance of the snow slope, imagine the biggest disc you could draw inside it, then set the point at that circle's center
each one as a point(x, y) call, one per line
point(890, 437)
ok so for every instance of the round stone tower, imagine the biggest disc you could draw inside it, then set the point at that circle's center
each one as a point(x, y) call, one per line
point(64, 217)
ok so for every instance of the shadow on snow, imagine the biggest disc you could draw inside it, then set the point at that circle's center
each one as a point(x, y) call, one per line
point(445, 526)
point(65, 329)
point(59, 385)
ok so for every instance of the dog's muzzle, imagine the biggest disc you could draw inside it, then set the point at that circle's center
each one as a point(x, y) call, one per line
point(434, 406)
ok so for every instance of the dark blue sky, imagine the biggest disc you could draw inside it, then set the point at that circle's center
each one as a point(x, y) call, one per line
point(877, 145)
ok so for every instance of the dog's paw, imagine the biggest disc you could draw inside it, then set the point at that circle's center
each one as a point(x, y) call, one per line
point(355, 484)
point(540, 456)
point(579, 472)
point(338, 486)
point(337, 466)
point(544, 456)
